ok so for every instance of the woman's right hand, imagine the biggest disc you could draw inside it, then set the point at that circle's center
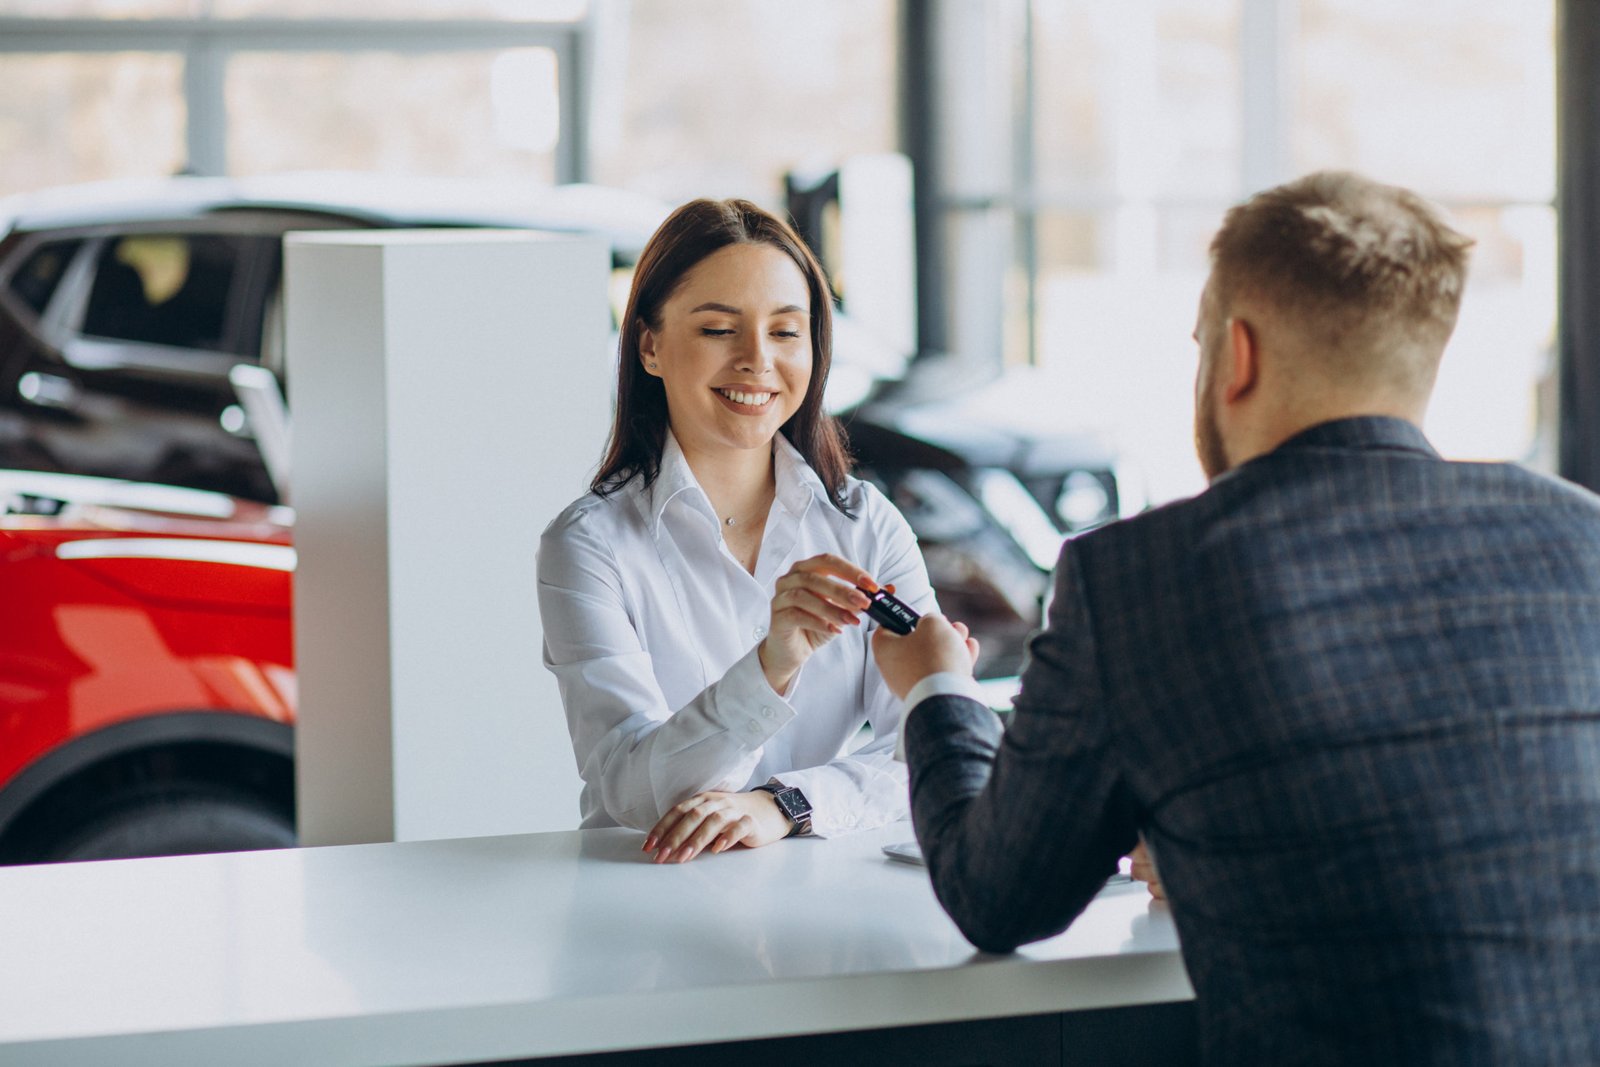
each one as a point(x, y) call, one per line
point(813, 604)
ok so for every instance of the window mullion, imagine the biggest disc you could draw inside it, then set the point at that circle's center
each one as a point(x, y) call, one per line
point(1025, 185)
point(1267, 40)
point(206, 135)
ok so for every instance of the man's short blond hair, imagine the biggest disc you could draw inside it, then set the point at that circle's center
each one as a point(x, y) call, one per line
point(1369, 275)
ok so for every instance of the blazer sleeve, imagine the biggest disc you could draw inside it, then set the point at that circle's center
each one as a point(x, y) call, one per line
point(1022, 827)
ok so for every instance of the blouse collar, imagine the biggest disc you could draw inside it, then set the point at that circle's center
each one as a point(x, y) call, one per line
point(798, 485)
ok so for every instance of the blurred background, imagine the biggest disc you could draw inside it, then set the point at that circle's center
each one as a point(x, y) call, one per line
point(1072, 158)
point(1013, 197)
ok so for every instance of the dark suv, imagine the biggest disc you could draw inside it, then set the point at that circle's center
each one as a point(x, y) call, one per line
point(124, 306)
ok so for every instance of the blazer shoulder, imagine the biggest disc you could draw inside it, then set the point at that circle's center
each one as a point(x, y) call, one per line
point(1164, 523)
point(1553, 488)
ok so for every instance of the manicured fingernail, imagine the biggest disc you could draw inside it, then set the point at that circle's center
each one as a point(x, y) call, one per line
point(649, 844)
point(868, 584)
point(889, 589)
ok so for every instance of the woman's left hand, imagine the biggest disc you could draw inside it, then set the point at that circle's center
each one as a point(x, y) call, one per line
point(715, 821)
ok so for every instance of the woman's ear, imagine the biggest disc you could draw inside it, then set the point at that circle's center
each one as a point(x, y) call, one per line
point(647, 350)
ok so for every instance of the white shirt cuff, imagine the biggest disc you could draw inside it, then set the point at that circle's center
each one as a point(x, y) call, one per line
point(746, 705)
point(945, 683)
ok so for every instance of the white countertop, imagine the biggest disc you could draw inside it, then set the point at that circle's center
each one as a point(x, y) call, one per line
point(496, 947)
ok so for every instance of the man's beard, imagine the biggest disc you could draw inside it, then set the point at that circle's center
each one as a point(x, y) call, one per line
point(1207, 438)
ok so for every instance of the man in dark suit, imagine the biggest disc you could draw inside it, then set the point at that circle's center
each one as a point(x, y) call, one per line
point(1349, 695)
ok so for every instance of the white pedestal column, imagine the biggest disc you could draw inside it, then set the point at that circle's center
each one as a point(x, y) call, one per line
point(451, 392)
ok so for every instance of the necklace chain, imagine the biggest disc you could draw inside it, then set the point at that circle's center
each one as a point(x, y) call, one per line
point(767, 504)
point(731, 521)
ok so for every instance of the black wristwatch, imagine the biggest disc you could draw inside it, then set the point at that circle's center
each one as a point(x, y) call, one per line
point(793, 804)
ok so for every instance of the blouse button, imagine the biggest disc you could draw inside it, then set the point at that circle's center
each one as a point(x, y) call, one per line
point(767, 711)
point(760, 631)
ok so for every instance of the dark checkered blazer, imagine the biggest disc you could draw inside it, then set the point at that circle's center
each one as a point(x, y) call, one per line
point(1351, 696)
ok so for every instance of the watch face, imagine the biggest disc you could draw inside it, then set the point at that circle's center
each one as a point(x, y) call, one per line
point(790, 800)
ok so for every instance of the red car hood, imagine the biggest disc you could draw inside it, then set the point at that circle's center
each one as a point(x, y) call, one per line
point(154, 543)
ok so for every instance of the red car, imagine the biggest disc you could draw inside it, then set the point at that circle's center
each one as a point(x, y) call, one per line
point(146, 670)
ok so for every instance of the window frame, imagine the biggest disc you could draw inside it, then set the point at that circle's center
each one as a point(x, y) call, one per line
point(206, 45)
point(147, 359)
point(46, 324)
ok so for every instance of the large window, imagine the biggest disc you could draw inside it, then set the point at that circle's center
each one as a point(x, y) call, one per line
point(1091, 150)
point(70, 117)
point(94, 89)
point(1139, 138)
point(476, 113)
point(512, 10)
point(672, 98)
point(718, 98)
point(1457, 101)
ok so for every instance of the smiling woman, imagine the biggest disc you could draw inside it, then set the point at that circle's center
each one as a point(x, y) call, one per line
point(733, 372)
point(721, 553)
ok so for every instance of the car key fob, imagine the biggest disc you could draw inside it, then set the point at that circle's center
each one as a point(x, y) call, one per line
point(889, 611)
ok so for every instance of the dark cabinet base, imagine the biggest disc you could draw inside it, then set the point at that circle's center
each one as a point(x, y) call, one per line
point(1157, 1034)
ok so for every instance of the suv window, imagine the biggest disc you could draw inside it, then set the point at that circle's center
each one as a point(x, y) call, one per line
point(166, 289)
point(36, 280)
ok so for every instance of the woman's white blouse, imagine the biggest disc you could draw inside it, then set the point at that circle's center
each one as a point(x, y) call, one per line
point(651, 628)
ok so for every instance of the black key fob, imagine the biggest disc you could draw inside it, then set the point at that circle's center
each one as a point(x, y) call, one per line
point(892, 613)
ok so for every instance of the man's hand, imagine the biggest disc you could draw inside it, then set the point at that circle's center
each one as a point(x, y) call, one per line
point(935, 646)
point(1144, 870)
point(715, 822)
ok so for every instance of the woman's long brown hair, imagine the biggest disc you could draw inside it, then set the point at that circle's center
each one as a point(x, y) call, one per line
point(690, 234)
